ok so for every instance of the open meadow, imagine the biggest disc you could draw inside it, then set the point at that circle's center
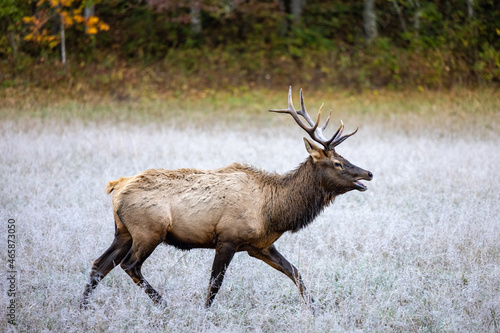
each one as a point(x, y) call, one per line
point(418, 252)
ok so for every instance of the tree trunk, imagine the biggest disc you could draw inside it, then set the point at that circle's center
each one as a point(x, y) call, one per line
point(195, 14)
point(63, 42)
point(14, 43)
point(370, 20)
point(400, 15)
point(88, 12)
point(416, 16)
point(416, 20)
point(283, 19)
point(470, 9)
point(297, 7)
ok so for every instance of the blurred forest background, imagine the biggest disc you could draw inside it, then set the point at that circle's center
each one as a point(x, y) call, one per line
point(109, 46)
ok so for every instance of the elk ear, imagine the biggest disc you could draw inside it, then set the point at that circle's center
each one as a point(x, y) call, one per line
point(313, 150)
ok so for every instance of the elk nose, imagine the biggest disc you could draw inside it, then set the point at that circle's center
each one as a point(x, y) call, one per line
point(370, 175)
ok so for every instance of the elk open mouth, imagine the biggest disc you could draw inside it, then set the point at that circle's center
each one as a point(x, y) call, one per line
point(360, 186)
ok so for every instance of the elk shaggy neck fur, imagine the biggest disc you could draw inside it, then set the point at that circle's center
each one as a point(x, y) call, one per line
point(293, 200)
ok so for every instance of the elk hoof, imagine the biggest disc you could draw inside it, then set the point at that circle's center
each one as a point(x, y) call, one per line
point(161, 303)
point(84, 305)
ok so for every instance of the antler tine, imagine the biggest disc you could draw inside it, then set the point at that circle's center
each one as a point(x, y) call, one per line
point(303, 111)
point(314, 132)
point(318, 133)
point(290, 105)
point(295, 114)
point(290, 101)
point(338, 139)
point(313, 129)
point(339, 131)
point(327, 119)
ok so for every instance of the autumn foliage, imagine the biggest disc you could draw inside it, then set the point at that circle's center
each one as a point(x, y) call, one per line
point(425, 44)
point(69, 12)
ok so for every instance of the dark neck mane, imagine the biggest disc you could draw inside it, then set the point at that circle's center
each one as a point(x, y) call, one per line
point(293, 200)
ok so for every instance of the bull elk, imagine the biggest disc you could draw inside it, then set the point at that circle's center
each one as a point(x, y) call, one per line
point(231, 209)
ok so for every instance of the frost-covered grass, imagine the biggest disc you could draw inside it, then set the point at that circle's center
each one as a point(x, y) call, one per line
point(419, 251)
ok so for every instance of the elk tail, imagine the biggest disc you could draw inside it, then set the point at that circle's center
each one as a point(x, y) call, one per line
point(113, 184)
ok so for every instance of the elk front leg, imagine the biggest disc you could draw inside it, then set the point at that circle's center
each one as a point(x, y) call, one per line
point(223, 255)
point(273, 258)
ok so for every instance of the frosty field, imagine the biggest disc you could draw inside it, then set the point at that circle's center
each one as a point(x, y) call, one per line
point(419, 251)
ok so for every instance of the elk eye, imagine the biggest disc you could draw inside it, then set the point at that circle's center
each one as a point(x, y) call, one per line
point(338, 165)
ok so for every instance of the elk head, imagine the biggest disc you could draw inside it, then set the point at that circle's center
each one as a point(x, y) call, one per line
point(336, 174)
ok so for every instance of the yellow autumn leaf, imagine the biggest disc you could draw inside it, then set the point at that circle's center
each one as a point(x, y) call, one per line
point(103, 26)
point(53, 44)
point(92, 20)
point(78, 18)
point(66, 3)
point(54, 3)
point(67, 20)
point(92, 30)
point(28, 19)
point(28, 37)
point(498, 32)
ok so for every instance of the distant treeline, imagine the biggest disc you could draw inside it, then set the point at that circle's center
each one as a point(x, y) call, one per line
point(357, 44)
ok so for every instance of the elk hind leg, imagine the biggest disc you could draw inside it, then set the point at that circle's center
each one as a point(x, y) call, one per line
point(132, 263)
point(107, 261)
point(273, 258)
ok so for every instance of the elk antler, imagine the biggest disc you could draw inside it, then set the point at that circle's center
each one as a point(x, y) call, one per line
point(314, 132)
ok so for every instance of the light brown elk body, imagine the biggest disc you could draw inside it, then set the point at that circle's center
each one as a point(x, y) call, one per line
point(231, 209)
